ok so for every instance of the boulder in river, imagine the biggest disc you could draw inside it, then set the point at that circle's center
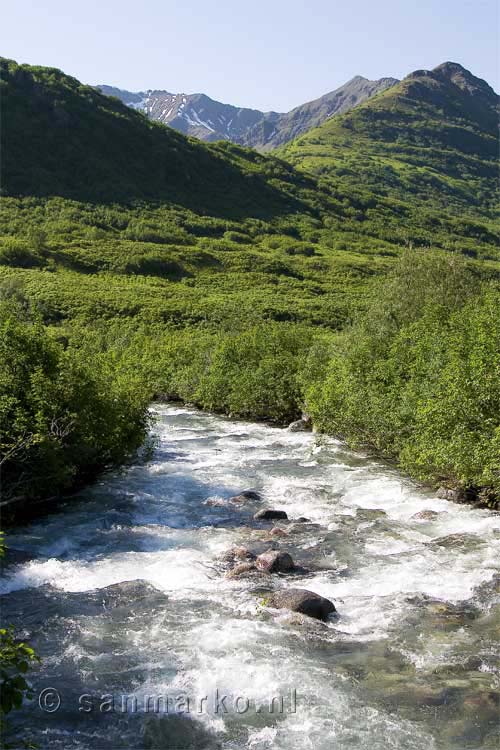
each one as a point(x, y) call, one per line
point(303, 601)
point(241, 569)
point(269, 514)
point(276, 531)
point(244, 496)
point(458, 494)
point(301, 425)
point(275, 561)
point(238, 553)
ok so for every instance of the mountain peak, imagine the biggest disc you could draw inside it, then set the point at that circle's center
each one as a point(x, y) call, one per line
point(449, 69)
point(453, 73)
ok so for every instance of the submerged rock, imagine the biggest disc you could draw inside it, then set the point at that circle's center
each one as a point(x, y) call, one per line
point(268, 514)
point(303, 601)
point(275, 561)
point(426, 515)
point(215, 502)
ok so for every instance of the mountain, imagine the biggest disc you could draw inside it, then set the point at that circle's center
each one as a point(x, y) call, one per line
point(67, 139)
point(209, 120)
point(430, 139)
point(307, 116)
point(194, 114)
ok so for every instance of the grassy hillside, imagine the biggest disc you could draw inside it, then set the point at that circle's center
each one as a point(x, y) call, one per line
point(423, 155)
point(135, 261)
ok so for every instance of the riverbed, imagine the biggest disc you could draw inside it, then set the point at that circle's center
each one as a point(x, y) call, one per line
point(145, 641)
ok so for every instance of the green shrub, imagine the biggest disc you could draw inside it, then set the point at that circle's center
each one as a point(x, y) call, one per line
point(64, 414)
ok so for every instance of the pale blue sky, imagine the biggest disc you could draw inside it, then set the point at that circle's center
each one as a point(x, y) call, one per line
point(269, 54)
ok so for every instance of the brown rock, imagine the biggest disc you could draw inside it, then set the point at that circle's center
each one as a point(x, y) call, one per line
point(241, 569)
point(238, 553)
point(278, 532)
point(303, 601)
point(275, 561)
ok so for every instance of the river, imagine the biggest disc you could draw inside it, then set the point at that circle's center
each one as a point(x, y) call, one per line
point(411, 662)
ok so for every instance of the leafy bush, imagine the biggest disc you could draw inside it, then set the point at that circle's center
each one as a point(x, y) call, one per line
point(418, 375)
point(16, 253)
point(64, 415)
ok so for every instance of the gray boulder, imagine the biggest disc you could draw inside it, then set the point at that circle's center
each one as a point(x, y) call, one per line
point(303, 601)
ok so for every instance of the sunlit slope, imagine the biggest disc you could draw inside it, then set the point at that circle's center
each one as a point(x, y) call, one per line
point(427, 145)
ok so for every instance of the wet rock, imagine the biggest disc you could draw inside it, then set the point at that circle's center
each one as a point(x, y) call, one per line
point(458, 495)
point(242, 569)
point(298, 620)
point(426, 515)
point(244, 496)
point(276, 531)
point(238, 554)
point(302, 519)
point(440, 614)
point(455, 541)
point(275, 561)
point(268, 514)
point(301, 425)
point(303, 601)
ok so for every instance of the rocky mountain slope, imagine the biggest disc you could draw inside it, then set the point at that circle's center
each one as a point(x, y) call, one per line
point(209, 120)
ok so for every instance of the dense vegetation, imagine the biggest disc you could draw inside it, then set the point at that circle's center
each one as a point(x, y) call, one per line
point(135, 262)
point(63, 416)
point(418, 374)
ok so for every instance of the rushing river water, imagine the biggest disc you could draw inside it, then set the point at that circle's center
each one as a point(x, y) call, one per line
point(410, 663)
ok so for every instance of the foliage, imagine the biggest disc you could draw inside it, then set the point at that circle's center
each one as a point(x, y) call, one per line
point(15, 660)
point(418, 377)
point(63, 416)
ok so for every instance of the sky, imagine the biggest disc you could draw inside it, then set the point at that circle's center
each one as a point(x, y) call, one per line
point(267, 54)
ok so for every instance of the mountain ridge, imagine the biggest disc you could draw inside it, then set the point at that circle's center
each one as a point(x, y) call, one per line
point(208, 119)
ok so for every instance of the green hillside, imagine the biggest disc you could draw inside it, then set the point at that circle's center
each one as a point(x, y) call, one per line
point(423, 155)
point(137, 262)
point(63, 138)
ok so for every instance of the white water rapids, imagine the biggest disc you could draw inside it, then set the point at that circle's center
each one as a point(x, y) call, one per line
point(410, 663)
